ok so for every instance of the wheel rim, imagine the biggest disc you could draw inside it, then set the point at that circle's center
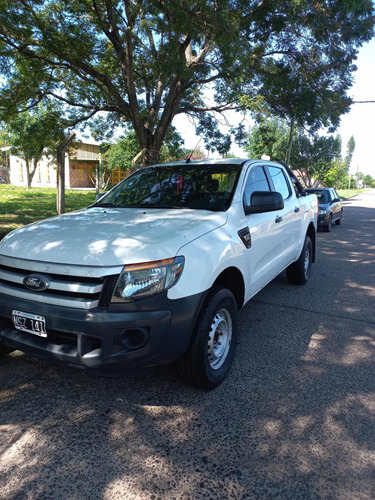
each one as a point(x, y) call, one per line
point(306, 263)
point(219, 338)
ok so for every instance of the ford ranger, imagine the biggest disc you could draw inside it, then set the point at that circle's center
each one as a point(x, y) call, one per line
point(157, 269)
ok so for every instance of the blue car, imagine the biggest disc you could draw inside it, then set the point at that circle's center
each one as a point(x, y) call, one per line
point(330, 207)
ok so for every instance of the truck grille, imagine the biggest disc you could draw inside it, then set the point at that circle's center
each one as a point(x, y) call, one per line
point(78, 287)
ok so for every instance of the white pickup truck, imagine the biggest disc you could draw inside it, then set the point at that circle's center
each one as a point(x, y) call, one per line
point(157, 269)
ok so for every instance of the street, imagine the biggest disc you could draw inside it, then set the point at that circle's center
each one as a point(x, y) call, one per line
point(295, 418)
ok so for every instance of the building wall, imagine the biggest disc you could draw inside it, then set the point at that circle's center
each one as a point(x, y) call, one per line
point(80, 169)
point(85, 151)
point(45, 174)
point(82, 174)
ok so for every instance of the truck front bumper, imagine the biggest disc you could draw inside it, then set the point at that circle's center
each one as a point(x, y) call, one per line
point(114, 341)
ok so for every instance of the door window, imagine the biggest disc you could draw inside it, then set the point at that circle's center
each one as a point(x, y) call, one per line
point(279, 181)
point(256, 181)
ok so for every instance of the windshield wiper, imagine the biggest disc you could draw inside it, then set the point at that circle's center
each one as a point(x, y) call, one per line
point(105, 205)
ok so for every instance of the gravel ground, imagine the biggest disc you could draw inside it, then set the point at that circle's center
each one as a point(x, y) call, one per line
point(294, 420)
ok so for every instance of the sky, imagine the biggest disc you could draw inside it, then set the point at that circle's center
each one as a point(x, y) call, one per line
point(359, 122)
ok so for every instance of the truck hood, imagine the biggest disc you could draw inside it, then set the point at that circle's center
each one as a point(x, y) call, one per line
point(110, 237)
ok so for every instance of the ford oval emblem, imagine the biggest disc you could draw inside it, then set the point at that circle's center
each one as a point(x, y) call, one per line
point(36, 282)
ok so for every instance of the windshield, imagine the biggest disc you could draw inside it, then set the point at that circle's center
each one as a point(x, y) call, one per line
point(205, 187)
point(323, 196)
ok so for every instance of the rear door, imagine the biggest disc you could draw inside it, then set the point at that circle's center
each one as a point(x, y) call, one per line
point(274, 235)
point(261, 257)
point(288, 220)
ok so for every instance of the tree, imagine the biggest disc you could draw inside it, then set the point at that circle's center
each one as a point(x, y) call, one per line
point(270, 137)
point(369, 181)
point(144, 62)
point(4, 138)
point(337, 175)
point(34, 134)
point(305, 94)
point(313, 157)
point(350, 147)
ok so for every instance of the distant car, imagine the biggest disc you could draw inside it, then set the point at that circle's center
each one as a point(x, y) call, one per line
point(330, 207)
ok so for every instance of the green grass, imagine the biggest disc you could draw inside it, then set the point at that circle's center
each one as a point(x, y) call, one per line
point(20, 206)
point(349, 193)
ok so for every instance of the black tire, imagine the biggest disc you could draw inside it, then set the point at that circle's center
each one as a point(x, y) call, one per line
point(328, 228)
point(299, 272)
point(338, 221)
point(207, 361)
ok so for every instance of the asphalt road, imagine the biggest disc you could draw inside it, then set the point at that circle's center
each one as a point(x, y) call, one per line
point(294, 420)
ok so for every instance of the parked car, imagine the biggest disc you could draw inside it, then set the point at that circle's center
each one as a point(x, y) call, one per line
point(157, 269)
point(330, 207)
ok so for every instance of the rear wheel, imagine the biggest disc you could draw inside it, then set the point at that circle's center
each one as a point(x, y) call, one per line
point(207, 361)
point(299, 272)
point(338, 221)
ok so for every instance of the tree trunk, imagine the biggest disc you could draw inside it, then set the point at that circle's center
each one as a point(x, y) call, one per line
point(28, 177)
point(31, 172)
point(61, 150)
point(151, 156)
point(290, 141)
point(138, 158)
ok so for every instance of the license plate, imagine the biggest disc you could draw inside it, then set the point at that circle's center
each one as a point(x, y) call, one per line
point(30, 323)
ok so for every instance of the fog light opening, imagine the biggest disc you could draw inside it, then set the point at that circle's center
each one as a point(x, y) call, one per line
point(135, 338)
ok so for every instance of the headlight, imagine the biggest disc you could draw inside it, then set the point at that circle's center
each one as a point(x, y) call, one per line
point(140, 281)
point(322, 212)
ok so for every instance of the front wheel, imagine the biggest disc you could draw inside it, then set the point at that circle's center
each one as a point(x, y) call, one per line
point(209, 356)
point(328, 227)
point(299, 272)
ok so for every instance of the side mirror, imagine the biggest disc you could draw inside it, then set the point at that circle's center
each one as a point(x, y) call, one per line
point(264, 201)
point(99, 195)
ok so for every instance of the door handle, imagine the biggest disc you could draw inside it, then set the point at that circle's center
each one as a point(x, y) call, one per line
point(278, 219)
point(297, 209)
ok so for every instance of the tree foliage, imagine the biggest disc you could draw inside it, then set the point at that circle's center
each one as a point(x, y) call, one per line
point(314, 157)
point(144, 62)
point(34, 134)
point(122, 153)
point(350, 147)
point(369, 181)
point(270, 137)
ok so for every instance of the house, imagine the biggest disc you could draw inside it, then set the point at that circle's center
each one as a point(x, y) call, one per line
point(81, 167)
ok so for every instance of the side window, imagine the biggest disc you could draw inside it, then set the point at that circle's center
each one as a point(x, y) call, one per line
point(256, 181)
point(279, 181)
